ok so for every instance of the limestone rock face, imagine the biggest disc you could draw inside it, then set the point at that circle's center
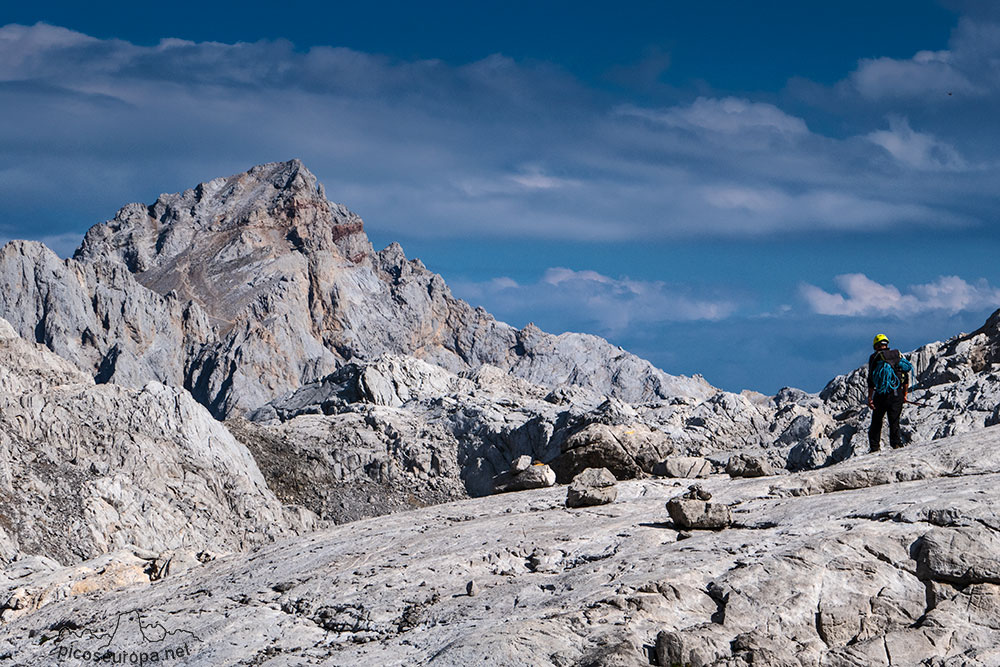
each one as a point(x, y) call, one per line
point(368, 461)
point(292, 290)
point(263, 299)
point(90, 468)
point(352, 384)
point(98, 317)
point(474, 424)
point(884, 559)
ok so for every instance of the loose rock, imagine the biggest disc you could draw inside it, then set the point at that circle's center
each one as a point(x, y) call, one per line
point(593, 486)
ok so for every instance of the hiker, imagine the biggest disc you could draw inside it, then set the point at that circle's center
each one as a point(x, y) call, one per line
point(888, 383)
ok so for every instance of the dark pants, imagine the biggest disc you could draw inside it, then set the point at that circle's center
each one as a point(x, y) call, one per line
point(891, 405)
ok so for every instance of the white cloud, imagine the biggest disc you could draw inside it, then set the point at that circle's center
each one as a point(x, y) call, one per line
point(737, 197)
point(536, 179)
point(860, 295)
point(728, 115)
point(915, 149)
point(495, 148)
point(609, 305)
point(766, 210)
point(922, 76)
point(568, 277)
point(966, 69)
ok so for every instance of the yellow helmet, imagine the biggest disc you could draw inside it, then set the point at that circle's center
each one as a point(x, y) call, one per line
point(879, 339)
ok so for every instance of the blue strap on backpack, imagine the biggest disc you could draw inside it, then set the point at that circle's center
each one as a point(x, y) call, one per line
point(886, 379)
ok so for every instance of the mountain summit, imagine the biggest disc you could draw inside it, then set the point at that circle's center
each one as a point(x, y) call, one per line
point(225, 242)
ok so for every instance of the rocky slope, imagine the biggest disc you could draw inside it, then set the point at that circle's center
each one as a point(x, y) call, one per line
point(889, 559)
point(247, 287)
point(86, 469)
point(398, 420)
point(263, 299)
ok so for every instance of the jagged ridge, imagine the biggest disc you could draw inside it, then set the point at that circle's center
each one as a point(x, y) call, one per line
point(260, 285)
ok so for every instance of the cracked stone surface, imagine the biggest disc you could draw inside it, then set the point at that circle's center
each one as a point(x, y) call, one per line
point(860, 566)
point(88, 469)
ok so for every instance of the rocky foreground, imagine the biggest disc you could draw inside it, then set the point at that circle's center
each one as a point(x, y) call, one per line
point(889, 559)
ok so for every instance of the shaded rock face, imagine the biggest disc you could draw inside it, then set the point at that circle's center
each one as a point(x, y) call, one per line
point(98, 317)
point(89, 469)
point(743, 465)
point(365, 462)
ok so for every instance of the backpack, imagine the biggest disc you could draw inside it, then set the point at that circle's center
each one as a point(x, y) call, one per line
point(890, 373)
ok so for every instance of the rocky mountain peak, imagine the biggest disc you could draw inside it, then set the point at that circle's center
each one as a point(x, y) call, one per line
point(279, 206)
point(225, 242)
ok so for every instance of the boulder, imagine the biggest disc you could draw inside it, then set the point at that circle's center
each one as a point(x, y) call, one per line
point(960, 556)
point(521, 463)
point(537, 476)
point(808, 454)
point(596, 446)
point(593, 486)
point(748, 465)
point(698, 514)
point(687, 467)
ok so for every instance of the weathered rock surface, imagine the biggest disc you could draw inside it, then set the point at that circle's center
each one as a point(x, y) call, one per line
point(473, 425)
point(692, 511)
point(863, 567)
point(698, 514)
point(90, 468)
point(98, 317)
point(689, 467)
point(246, 288)
point(593, 486)
point(356, 385)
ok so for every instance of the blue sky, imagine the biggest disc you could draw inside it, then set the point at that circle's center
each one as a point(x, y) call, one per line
point(743, 190)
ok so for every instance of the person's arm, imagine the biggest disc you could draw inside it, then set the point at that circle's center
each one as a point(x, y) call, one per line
point(871, 381)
